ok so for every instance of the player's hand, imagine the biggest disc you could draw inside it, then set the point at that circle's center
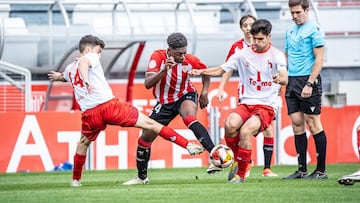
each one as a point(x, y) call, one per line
point(169, 63)
point(276, 78)
point(196, 72)
point(306, 92)
point(221, 96)
point(54, 76)
point(204, 101)
point(89, 87)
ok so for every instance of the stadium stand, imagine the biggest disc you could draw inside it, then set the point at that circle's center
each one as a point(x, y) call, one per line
point(42, 31)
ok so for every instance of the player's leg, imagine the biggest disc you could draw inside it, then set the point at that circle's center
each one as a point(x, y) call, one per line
point(79, 160)
point(298, 126)
point(268, 149)
point(249, 128)
point(169, 134)
point(143, 153)
point(350, 179)
point(188, 110)
point(312, 111)
point(232, 136)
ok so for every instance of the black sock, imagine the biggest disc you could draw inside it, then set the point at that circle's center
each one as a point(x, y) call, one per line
point(320, 144)
point(268, 151)
point(301, 147)
point(202, 135)
point(142, 159)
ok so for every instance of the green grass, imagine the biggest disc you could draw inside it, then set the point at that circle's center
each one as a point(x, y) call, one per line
point(178, 185)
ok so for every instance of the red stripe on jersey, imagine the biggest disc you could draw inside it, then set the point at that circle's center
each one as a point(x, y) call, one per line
point(176, 83)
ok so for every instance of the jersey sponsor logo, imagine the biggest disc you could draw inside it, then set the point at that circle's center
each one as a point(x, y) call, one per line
point(152, 64)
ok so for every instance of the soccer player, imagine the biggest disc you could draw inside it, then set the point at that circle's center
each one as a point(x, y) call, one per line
point(99, 106)
point(245, 25)
point(259, 66)
point(168, 75)
point(304, 49)
point(354, 177)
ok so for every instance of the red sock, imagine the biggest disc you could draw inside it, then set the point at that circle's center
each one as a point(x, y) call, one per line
point(144, 144)
point(233, 143)
point(268, 141)
point(169, 134)
point(79, 161)
point(243, 158)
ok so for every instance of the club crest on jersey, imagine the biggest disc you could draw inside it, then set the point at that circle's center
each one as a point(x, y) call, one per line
point(185, 68)
point(270, 64)
point(152, 64)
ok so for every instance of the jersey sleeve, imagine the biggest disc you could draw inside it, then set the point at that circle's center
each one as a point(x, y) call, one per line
point(156, 59)
point(318, 38)
point(195, 62)
point(281, 61)
point(93, 58)
point(231, 52)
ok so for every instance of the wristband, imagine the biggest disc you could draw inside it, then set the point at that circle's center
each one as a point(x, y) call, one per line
point(309, 84)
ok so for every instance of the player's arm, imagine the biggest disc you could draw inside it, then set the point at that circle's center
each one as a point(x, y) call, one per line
point(152, 78)
point(56, 76)
point(204, 100)
point(214, 71)
point(318, 64)
point(84, 65)
point(281, 78)
point(224, 79)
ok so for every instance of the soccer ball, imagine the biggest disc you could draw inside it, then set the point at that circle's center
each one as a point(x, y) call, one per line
point(221, 156)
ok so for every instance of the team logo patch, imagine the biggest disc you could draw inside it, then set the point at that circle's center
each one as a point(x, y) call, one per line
point(152, 64)
point(185, 68)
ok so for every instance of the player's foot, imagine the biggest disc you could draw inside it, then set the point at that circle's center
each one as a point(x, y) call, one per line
point(233, 170)
point(268, 173)
point(248, 169)
point(317, 175)
point(194, 148)
point(75, 183)
point(137, 181)
point(213, 169)
point(236, 179)
point(350, 179)
point(296, 175)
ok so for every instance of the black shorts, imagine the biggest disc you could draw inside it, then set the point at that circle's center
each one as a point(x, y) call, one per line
point(296, 103)
point(164, 113)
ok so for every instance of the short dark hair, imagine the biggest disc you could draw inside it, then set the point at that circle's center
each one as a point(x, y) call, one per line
point(177, 40)
point(304, 3)
point(90, 40)
point(244, 18)
point(262, 25)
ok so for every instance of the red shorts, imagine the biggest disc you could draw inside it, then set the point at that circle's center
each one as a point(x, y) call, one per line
point(265, 113)
point(113, 112)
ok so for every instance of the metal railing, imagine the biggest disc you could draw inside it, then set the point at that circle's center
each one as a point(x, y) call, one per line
point(23, 86)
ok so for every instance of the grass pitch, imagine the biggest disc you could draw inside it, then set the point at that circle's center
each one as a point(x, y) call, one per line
point(178, 185)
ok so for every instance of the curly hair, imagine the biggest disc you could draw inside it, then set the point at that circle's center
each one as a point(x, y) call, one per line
point(177, 40)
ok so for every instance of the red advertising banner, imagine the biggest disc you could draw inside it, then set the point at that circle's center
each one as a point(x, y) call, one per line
point(40, 141)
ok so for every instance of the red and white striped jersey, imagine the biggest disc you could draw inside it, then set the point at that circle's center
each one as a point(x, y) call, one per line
point(256, 72)
point(236, 46)
point(176, 83)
